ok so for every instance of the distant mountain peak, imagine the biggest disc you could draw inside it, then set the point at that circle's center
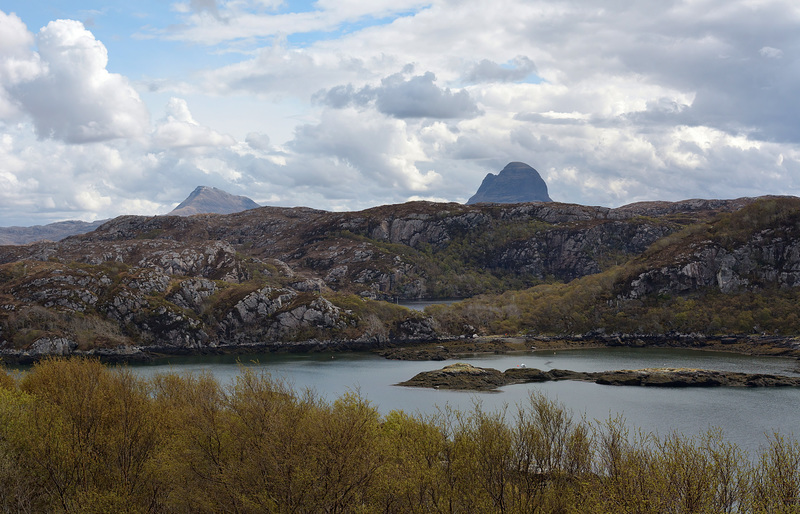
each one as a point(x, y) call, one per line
point(516, 183)
point(210, 200)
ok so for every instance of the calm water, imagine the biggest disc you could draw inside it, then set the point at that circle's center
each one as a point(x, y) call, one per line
point(744, 414)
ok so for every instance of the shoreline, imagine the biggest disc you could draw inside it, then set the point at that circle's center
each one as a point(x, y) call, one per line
point(766, 346)
point(443, 349)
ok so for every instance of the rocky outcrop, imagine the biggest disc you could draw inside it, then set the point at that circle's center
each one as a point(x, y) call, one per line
point(192, 293)
point(459, 376)
point(271, 315)
point(571, 252)
point(767, 258)
point(467, 377)
point(388, 251)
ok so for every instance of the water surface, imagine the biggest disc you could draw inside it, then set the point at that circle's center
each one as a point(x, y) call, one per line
point(744, 414)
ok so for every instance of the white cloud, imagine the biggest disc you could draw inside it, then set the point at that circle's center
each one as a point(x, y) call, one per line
point(771, 53)
point(17, 62)
point(381, 150)
point(612, 103)
point(179, 129)
point(211, 24)
point(73, 97)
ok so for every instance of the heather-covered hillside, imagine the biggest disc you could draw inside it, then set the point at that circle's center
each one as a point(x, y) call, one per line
point(301, 277)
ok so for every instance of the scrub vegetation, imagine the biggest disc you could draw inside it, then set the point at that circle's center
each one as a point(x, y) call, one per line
point(77, 436)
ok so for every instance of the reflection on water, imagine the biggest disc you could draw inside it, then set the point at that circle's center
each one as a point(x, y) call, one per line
point(744, 414)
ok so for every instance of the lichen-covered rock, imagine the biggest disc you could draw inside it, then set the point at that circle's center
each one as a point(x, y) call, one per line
point(75, 290)
point(192, 293)
point(415, 329)
point(52, 346)
point(259, 305)
point(148, 281)
point(768, 258)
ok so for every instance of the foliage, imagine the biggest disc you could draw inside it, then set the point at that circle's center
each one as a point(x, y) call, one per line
point(599, 303)
point(76, 436)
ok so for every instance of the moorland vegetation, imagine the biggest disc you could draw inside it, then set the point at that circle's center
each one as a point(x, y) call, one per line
point(78, 436)
point(282, 278)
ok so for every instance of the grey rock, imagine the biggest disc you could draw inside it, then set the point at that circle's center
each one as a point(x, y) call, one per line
point(52, 346)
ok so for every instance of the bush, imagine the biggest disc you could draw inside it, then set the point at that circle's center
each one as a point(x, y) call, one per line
point(76, 436)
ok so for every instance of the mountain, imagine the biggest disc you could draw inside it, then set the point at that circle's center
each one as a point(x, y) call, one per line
point(516, 183)
point(51, 232)
point(300, 278)
point(203, 200)
point(208, 200)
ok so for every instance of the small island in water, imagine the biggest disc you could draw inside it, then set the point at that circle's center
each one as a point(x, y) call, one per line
point(468, 377)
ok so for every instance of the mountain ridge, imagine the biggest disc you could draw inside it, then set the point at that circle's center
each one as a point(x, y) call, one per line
point(51, 231)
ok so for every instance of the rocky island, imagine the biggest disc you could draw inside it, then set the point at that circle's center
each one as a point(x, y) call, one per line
point(468, 377)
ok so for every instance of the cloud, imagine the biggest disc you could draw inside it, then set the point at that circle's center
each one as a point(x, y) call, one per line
point(612, 103)
point(17, 62)
point(179, 129)
point(209, 6)
point(416, 97)
point(208, 23)
point(380, 151)
point(69, 94)
point(771, 53)
point(257, 141)
point(484, 71)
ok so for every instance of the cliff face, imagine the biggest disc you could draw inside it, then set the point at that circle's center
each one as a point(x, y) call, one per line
point(281, 276)
point(728, 259)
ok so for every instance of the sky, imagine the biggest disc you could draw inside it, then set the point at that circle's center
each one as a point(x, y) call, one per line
point(119, 107)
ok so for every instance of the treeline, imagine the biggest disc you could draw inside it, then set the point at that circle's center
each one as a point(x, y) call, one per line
point(76, 436)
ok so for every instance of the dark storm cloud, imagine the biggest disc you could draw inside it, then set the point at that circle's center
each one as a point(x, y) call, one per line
point(416, 97)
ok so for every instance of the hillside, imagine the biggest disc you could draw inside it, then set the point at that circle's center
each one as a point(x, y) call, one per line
point(282, 277)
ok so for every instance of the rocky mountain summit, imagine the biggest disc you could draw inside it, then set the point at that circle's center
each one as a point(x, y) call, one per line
point(516, 183)
point(210, 200)
point(298, 278)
